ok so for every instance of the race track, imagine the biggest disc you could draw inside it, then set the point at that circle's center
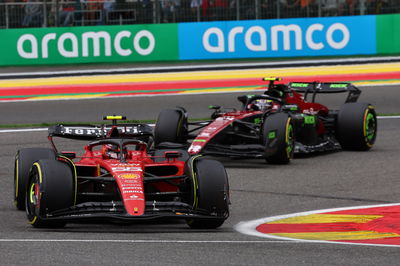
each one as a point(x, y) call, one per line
point(385, 98)
point(333, 180)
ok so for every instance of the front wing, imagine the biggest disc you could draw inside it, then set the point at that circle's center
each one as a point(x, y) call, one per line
point(109, 211)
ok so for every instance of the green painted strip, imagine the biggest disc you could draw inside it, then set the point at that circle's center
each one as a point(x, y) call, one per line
point(199, 140)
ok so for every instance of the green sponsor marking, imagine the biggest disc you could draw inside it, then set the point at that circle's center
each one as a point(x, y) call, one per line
point(303, 85)
point(199, 140)
point(338, 86)
point(309, 120)
point(272, 135)
point(257, 121)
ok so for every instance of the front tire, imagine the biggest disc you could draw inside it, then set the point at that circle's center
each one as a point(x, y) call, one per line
point(50, 188)
point(171, 126)
point(356, 126)
point(23, 163)
point(210, 193)
point(278, 138)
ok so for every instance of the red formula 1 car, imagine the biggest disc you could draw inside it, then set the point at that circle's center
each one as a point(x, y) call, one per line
point(117, 179)
point(275, 124)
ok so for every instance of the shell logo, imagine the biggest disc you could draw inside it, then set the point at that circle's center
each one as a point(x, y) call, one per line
point(129, 176)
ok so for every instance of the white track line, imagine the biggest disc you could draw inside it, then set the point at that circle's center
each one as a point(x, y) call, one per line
point(249, 227)
point(22, 130)
point(151, 241)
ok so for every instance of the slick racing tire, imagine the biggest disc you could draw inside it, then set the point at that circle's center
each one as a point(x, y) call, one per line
point(171, 126)
point(23, 163)
point(50, 188)
point(356, 126)
point(278, 138)
point(210, 193)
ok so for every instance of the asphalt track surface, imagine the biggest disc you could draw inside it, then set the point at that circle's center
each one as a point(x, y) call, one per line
point(332, 180)
point(385, 98)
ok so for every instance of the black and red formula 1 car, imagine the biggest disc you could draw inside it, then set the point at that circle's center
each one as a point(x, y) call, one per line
point(117, 179)
point(275, 124)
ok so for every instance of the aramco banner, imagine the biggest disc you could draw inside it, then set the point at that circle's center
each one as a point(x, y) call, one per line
point(128, 43)
point(388, 34)
point(278, 38)
point(297, 37)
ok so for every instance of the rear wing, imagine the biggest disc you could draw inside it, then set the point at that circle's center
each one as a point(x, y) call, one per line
point(326, 87)
point(93, 132)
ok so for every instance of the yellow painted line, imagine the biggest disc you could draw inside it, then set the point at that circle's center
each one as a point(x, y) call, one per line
point(60, 97)
point(353, 235)
point(377, 82)
point(204, 75)
point(327, 218)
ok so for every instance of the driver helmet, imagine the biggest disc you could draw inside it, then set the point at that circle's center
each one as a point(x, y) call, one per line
point(111, 151)
point(261, 105)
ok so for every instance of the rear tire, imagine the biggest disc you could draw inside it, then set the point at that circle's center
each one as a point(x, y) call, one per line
point(278, 138)
point(23, 163)
point(356, 126)
point(171, 126)
point(50, 188)
point(210, 193)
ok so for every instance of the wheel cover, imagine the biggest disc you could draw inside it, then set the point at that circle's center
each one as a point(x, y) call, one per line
point(289, 138)
point(369, 126)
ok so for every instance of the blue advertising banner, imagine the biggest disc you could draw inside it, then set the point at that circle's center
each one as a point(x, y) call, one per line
point(277, 38)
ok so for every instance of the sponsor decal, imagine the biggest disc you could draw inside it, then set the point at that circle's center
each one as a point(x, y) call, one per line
point(338, 86)
point(126, 169)
point(299, 85)
point(132, 191)
point(204, 134)
point(125, 43)
point(129, 176)
point(82, 48)
point(130, 182)
point(194, 148)
point(132, 187)
point(97, 131)
point(277, 38)
point(126, 184)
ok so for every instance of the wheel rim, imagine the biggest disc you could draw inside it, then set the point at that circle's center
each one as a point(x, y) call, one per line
point(289, 139)
point(34, 194)
point(369, 127)
point(33, 198)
